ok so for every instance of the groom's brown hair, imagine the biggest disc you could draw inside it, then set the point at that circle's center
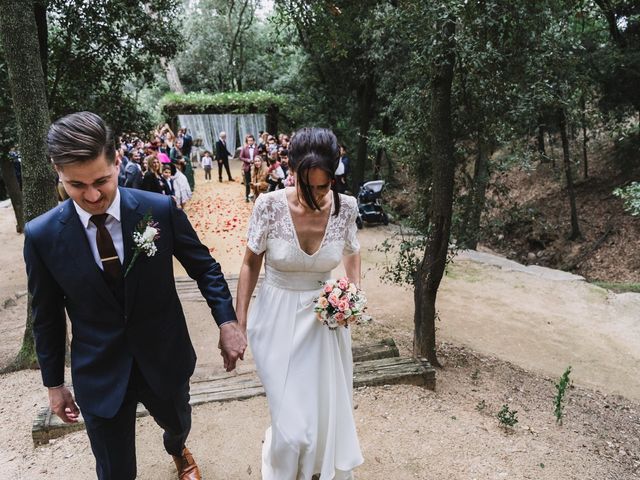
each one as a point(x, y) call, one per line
point(80, 137)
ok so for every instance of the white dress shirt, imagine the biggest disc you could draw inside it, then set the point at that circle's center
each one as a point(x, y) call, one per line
point(251, 150)
point(113, 226)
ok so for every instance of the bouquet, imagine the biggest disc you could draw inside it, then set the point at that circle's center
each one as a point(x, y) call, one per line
point(340, 303)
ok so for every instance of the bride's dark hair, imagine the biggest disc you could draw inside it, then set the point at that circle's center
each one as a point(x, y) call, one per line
point(314, 148)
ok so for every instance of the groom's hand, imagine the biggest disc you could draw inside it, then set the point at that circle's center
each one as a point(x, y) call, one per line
point(61, 403)
point(233, 343)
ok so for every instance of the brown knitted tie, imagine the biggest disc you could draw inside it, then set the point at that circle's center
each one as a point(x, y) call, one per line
point(107, 251)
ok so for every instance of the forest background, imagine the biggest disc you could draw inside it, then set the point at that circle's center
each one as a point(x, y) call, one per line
point(514, 124)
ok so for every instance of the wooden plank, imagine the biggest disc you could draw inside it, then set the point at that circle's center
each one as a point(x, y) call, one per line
point(375, 351)
point(222, 388)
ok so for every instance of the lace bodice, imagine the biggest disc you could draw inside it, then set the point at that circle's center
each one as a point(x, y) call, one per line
point(271, 230)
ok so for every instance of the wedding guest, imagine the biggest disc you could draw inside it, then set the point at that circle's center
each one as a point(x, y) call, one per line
point(181, 188)
point(259, 173)
point(275, 174)
point(151, 181)
point(342, 172)
point(206, 166)
point(247, 154)
point(133, 172)
point(222, 156)
point(167, 182)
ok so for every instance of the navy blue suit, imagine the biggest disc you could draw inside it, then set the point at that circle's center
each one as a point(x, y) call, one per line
point(145, 333)
point(150, 327)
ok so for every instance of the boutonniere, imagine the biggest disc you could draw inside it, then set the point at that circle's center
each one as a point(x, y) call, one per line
point(144, 239)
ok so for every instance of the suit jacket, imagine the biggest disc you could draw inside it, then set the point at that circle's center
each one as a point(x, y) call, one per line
point(133, 175)
point(222, 152)
point(245, 156)
point(187, 144)
point(107, 335)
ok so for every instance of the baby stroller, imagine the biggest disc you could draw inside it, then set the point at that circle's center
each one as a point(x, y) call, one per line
point(369, 207)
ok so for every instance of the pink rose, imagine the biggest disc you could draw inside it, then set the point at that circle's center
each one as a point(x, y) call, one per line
point(334, 300)
point(339, 317)
point(328, 288)
point(343, 305)
point(343, 283)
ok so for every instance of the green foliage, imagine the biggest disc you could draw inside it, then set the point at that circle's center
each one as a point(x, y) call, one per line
point(558, 401)
point(631, 196)
point(225, 46)
point(619, 287)
point(99, 55)
point(403, 255)
point(97, 47)
point(507, 418)
point(227, 102)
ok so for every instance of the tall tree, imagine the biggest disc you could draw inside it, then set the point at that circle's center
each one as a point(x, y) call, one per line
point(335, 39)
point(431, 268)
point(26, 80)
point(224, 33)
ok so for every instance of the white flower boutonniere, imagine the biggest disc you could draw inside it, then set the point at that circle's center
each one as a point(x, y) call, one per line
point(144, 239)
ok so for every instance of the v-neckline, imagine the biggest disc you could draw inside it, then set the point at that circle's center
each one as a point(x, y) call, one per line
point(295, 232)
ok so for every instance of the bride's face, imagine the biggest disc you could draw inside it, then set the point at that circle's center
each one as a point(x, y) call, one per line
point(319, 185)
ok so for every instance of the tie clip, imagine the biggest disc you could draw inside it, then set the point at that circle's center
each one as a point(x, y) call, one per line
point(110, 259)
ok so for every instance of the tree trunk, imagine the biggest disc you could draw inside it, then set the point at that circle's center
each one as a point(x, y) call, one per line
point(19, 34)
point(366, 94)
point(40, 12)
point(432, 266)
point(386, 131)
point(575, 227)
point(476, 199)
point(541, 149)
point(13, 189)
point(585, 138)
point(172, 76)
point(553, 155)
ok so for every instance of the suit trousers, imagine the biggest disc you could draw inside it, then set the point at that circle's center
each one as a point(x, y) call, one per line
point(224, 163)
point(247, 183)
point(113, 439)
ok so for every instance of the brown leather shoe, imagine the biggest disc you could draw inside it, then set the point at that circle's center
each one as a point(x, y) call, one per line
point(187, 468)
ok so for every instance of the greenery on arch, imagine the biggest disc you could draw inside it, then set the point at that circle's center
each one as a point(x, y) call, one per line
point(260, 101)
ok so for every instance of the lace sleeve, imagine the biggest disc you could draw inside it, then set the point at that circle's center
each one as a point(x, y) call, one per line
point(351, 244)
point(258, 226)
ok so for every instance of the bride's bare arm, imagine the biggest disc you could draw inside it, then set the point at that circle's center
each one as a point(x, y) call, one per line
point(352, 267)
point(249, 272)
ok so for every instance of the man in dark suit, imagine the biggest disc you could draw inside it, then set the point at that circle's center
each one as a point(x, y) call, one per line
point(187, 144)
point(222, 156)
point(130, 341)
point(133, 172)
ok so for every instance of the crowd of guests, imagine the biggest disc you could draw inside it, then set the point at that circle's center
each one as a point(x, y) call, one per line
point(161, 165)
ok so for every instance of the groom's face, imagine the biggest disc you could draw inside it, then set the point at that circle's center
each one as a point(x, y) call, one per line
point(91, 184)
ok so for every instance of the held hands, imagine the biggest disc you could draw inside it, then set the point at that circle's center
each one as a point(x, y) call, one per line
point(232, 344)
point(61, 403)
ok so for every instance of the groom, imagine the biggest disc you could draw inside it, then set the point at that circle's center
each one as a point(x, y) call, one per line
point(130, 341)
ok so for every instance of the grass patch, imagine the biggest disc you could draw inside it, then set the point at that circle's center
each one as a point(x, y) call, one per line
point(619, 287)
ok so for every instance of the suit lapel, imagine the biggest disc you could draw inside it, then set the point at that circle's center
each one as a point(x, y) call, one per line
point(130, 216)
point(74, 238)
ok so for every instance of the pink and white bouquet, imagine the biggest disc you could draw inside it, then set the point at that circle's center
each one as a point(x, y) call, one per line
point(340, 303)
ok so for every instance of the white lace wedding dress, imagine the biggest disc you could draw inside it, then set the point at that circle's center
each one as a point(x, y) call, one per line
point(306, 369)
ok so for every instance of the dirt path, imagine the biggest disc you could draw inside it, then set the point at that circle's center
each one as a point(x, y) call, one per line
point(525, 329)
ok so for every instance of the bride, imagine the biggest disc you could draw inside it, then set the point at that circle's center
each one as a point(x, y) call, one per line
point(302, 233)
